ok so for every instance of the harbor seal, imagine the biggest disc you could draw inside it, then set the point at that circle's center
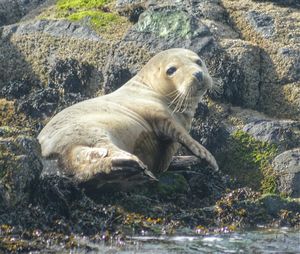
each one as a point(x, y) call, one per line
point(135, 130)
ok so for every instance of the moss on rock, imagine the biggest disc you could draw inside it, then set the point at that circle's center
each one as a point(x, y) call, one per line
point(248, 160)
point(99, 14)
point(171, 184)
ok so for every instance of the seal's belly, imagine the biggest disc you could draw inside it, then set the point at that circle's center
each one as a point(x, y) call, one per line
point(133, 134)
point(126, 129)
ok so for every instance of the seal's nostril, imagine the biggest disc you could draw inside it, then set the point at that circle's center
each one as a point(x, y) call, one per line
point(199, 75)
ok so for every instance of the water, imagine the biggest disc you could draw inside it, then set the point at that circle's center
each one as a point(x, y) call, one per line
point(266, 241)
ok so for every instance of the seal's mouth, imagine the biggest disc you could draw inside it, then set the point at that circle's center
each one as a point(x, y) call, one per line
point(185, 97)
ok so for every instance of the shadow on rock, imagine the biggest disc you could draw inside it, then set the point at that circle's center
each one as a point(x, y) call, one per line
point(284, 3)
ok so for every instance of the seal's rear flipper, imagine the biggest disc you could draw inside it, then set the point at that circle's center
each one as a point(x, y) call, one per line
point(124, 175)
point(98, 167)
point(132, 164)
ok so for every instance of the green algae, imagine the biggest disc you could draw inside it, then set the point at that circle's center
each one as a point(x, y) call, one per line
point(96, 11)
point(79, 4)
point(97, 19)
point(248, 161)
point(170, 183)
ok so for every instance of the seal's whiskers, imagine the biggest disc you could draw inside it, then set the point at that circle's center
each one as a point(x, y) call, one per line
point(217, 87)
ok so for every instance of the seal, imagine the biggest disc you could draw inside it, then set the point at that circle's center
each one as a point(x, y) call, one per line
point(135, 130)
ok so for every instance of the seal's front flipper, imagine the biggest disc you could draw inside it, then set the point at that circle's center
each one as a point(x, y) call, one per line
point(170, 129)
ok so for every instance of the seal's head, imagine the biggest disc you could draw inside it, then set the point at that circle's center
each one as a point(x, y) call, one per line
point(180, 76)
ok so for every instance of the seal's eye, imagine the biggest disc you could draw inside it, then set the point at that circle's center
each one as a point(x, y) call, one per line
point(171, 71)
point(199, 62)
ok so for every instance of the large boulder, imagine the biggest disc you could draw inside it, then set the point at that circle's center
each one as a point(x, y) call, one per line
point(243, 91)
point(169, 27)
point(287, 168)
point(284, 133)
point(272, 26)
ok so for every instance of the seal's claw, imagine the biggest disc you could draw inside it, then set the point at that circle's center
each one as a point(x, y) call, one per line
point(151, 175)
point(214, 165)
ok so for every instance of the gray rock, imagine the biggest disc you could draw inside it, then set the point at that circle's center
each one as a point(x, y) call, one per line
point(285, 134)
point(274, 204)
point(56, 28)
point(212, 10)
point(262, 23)
point(283, 3)
point(208, 130)
point(12, 11)
point(292, 93)
point(291, 58)
point(287, 168)
point(125, 60)
point(168, 27)
point(69, 82)
point(72, 76)
point(245, 91)
point(131, 8)
point(220, 30)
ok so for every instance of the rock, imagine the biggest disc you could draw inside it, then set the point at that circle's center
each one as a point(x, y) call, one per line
point(273, 28)
point(290, 59)
point(131, 8)
point(285, 134)
point(211, 10)
point(283, 3)
point(72, 76)
point(247, 161)
point(244, 208)
point(69, 82)
point(56, 28)
point(208, 130)
point(274, 204)
point(220, 30)
point(13, 10)
point(125, 60)
point(204, 184)
point(41, 103)
point(20, 166)
point(287, 168)
point(291, 94)
point(32, 56)
point(246, 92)
point(262, 23)
point(16, 89)
point(168, 27)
